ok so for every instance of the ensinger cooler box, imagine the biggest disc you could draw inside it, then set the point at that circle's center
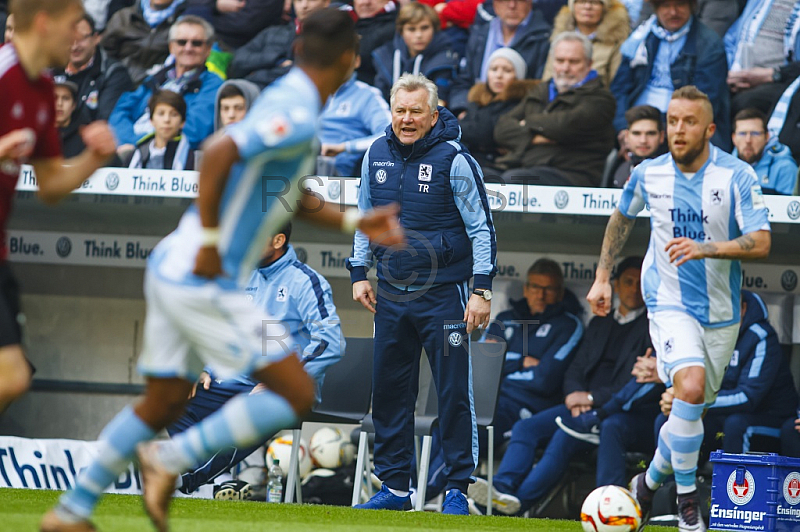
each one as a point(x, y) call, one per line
point(755, 492)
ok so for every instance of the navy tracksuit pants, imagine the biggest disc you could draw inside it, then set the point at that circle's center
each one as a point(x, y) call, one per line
point(405, 323)
point(203, 404)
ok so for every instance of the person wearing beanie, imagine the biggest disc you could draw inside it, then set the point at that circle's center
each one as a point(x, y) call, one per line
point(605, 23)
point(560, 134)
point(504, 88)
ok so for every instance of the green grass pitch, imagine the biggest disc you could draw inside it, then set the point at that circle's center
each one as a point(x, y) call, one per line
point(20, 511)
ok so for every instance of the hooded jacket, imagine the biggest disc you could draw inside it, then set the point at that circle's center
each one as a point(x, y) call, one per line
point(249, 89)
point(776, 169)
point(532, 41)
point(130, 39)
point(483, 111)
point(437, 62)
point(99, 87)
point(577, 120)
point(608, 37)
point(550, 336)
point(443, 208)
point(356, 115)
point(595, 346)
point(758, 378)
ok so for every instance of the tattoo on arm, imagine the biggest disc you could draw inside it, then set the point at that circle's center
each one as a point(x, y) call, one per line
point(709, 250)
point(617, 232)
point(746, 242)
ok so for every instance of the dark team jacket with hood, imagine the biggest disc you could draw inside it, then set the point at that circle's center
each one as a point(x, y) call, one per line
point(437, 62)
point(418, 178)
point(550, 336)
point(758, 379)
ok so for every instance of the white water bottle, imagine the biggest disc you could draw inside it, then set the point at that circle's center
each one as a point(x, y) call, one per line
point(275, 482)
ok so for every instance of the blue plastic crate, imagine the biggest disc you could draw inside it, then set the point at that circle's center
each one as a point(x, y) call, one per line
point(755, 492)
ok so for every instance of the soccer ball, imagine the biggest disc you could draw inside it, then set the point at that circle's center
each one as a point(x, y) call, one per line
point(331, 449)
point(610, 509)
point(281, 449)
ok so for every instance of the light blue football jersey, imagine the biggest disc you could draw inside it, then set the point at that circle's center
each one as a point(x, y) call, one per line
point(722, 201)
point(277, 146)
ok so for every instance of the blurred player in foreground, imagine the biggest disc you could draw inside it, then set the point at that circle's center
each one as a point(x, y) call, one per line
point(44, 33)
point(196, 314)
point(706, 215)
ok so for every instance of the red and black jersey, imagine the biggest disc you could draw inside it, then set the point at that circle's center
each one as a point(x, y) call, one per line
point(24, 103)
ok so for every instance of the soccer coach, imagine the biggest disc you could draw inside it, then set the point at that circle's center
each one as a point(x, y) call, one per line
point(424, 299)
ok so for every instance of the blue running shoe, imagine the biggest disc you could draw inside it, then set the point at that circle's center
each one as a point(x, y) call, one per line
point(455, 503)
point(584, 427)
point(386, 500)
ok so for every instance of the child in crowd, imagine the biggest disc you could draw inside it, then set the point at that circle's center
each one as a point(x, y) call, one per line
point(418, 48)
point(165, 148)
point(234, 99)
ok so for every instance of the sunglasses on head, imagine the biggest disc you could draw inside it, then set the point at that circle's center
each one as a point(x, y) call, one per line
point(197, 43)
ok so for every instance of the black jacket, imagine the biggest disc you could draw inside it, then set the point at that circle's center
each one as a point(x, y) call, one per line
point(375, 32)
point(238, 28)
point(71, 141)
point(592, 349)
point(260, 60)
point(99, 87)
point(532, 42)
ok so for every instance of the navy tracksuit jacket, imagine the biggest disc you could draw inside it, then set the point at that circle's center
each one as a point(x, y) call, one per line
point(423, 291)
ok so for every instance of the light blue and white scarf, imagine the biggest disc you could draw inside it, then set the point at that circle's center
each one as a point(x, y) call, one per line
point(635, 46)
point(749, 30)
point(154, 17)
point(778, 117)
point(790, 44)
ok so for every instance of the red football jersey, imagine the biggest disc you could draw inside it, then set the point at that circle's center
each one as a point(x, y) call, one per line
point(23, 104)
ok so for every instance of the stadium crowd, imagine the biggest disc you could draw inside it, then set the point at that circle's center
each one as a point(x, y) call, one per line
point(530, 81)
point(553, 92)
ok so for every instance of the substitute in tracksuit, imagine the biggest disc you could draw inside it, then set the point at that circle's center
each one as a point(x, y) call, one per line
point(424, 298)
point(758, 392)
point(542, 331)
point(352, 119)
point(296, 296)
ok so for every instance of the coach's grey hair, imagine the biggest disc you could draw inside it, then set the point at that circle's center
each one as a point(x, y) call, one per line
point(208, 29)
point(575, 37)
point(412, 82)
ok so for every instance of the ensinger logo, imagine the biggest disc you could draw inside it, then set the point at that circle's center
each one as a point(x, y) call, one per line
point(63, 247)
point(789, 280)
point(561, 198)
point(380, 176)
point(791, 488)
point(302, 254)
point(741, 494)
point(455, 339)
point(112, 181)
